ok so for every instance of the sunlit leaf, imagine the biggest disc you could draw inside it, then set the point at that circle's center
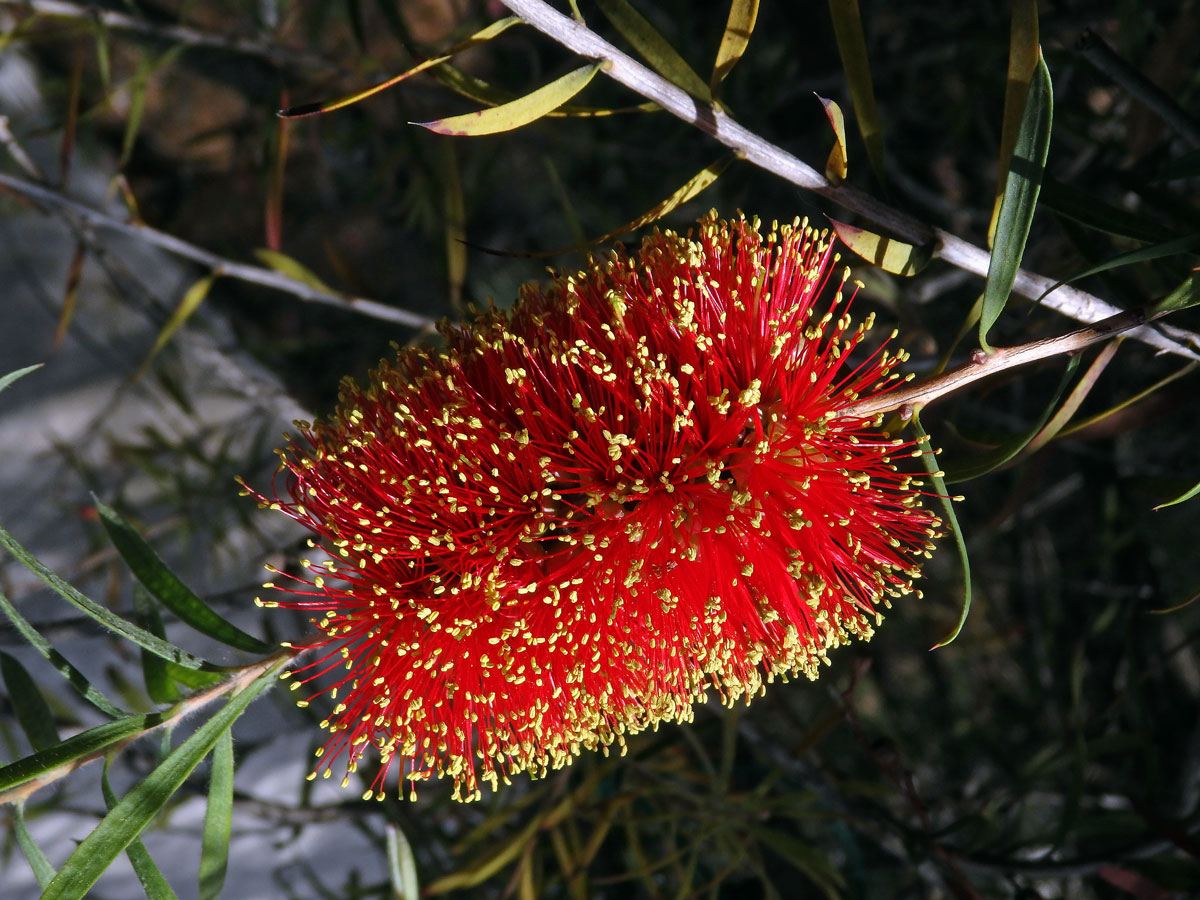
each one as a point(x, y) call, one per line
point(147, 871)
point(85, 744)
point(191, 301)
point(139, 807)
point(1024, 54)
point(888, 254)
point(166, 586)
point(43, 871)
point(937, 480)
point(999, 456)
point(738, 28)
point(1183, 297)
point(218, 819)
point(474, 88)
point(836, 166)
point(654, 48)
point(1020, 199)
point(402, 865)
point(98, 613)
point(519, 112)
point(852, 48)
point(73, 676)
point(486, 34)
point(30, 707)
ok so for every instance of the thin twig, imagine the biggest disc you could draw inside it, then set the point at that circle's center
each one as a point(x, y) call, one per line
point(982, 365)
point(1069, 301)
point(263, 47)
point(221, 266)
point(241, 679)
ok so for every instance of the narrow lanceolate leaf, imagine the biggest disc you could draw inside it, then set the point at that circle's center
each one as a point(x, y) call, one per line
point(989, 462)
point(43, 871)
point(138, 86)
point(85, 744)
point(1189, 243)
point(837, 166)
point(654, 48)
point(402, 866)
point(16, 375)
point(519, 112)
point(160, 581)
point(191, 301)
point(1182, 498)
point(738, 28)
point(30, 707)
point(218, 820)
point(1021, 189)
point(929, 459)
point(139, 807)
point(292, 268)
point(159, 684)
point(70, 293)
point(104, 616)
point(1024, 53)
point(1075, 399)
point(888, 254)
point(475, 88)
point(852, 48)
point(74, 677)
point(312, 109)
point(153, 883)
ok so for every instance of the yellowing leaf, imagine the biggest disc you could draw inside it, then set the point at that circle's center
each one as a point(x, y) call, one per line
point(836, 167)
point(191, 300)
point(852, 48)
point(890, 255)
point(313, 109)
point(654, 48)
point(738, 28)
point(292, 268)
point(519, 112)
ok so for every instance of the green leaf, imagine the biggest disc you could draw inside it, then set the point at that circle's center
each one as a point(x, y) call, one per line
point(153, 883)
point(402, 866)
point(85, 744)
point(218, 819)
point(516, 113)
point(654, 48)
point(74, 677)
point(929, 459)
point(159, 684)
point(137, 106)
point(1024, 52)
point(738, 28)
point(30, 707)
point(104, 616)
point(11, 377)
point(1021, 189)
point(994, 459)
point(1182, 498)
point(194, 679)
point(42, 870)
point(1189, 243)
point(852, 48)
point(139, 807)
point(160, 581)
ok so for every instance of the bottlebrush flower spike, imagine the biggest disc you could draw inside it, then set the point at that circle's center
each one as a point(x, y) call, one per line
point(587, 511)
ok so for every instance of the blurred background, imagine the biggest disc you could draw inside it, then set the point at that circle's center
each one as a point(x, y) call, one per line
point(1052, 751)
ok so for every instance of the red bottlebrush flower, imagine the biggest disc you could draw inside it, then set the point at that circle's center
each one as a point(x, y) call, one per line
point(585, 512)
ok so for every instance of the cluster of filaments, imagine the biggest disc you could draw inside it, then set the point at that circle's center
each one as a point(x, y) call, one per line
point(585, 513)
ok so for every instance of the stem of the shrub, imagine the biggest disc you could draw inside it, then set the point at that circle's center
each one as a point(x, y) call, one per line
point(1069, 301)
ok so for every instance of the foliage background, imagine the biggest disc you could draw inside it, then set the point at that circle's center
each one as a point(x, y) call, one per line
point(1052, 751)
